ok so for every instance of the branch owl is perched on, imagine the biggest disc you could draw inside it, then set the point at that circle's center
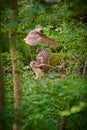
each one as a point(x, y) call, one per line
point(40, 65)
point(38, 37)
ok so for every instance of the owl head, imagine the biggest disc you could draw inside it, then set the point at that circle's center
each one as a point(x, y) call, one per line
point(33, 64)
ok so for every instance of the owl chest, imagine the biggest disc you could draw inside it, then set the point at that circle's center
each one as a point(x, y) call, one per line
point(38, 72)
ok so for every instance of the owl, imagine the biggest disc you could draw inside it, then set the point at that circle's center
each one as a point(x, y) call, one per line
point(35, 67)
point(40, 65)
point(37, 36)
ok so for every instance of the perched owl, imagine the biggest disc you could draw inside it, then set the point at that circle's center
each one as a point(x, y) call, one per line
point(40, 65)
point(38, 37)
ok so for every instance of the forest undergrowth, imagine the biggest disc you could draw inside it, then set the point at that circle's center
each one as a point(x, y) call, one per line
point(59, 100)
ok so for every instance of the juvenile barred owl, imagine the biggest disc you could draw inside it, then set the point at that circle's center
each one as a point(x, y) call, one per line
point(40, 65)
point(38, 37)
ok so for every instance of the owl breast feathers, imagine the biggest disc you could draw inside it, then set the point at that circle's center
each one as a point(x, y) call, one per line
point(35, 67)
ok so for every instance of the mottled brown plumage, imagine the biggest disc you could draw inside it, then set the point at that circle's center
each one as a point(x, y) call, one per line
point(43, 56)
point(40, 69)
point(39, 73)
point(37, 36)
point(40, 65)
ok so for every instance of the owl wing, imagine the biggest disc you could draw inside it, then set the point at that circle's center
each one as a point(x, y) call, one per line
point(37, 36)
point(45, 67)
point(43, 56)
point(48, 41)
point(40, 68)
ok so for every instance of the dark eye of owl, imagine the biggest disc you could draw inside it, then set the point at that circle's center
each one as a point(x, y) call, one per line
point(34, 63)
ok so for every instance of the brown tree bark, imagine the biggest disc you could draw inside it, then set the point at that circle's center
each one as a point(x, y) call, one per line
point(63, 123)
point(15, 68)
point(17, 86)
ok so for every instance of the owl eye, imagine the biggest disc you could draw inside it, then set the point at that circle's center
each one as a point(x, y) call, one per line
point(34, 63)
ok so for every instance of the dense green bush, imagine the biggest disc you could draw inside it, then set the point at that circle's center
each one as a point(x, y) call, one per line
point(49, 102)
point(46, 102)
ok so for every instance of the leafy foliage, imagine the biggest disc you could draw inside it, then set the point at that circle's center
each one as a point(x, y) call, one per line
point(46, 102)
point(49, 101)
point(58, 98)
